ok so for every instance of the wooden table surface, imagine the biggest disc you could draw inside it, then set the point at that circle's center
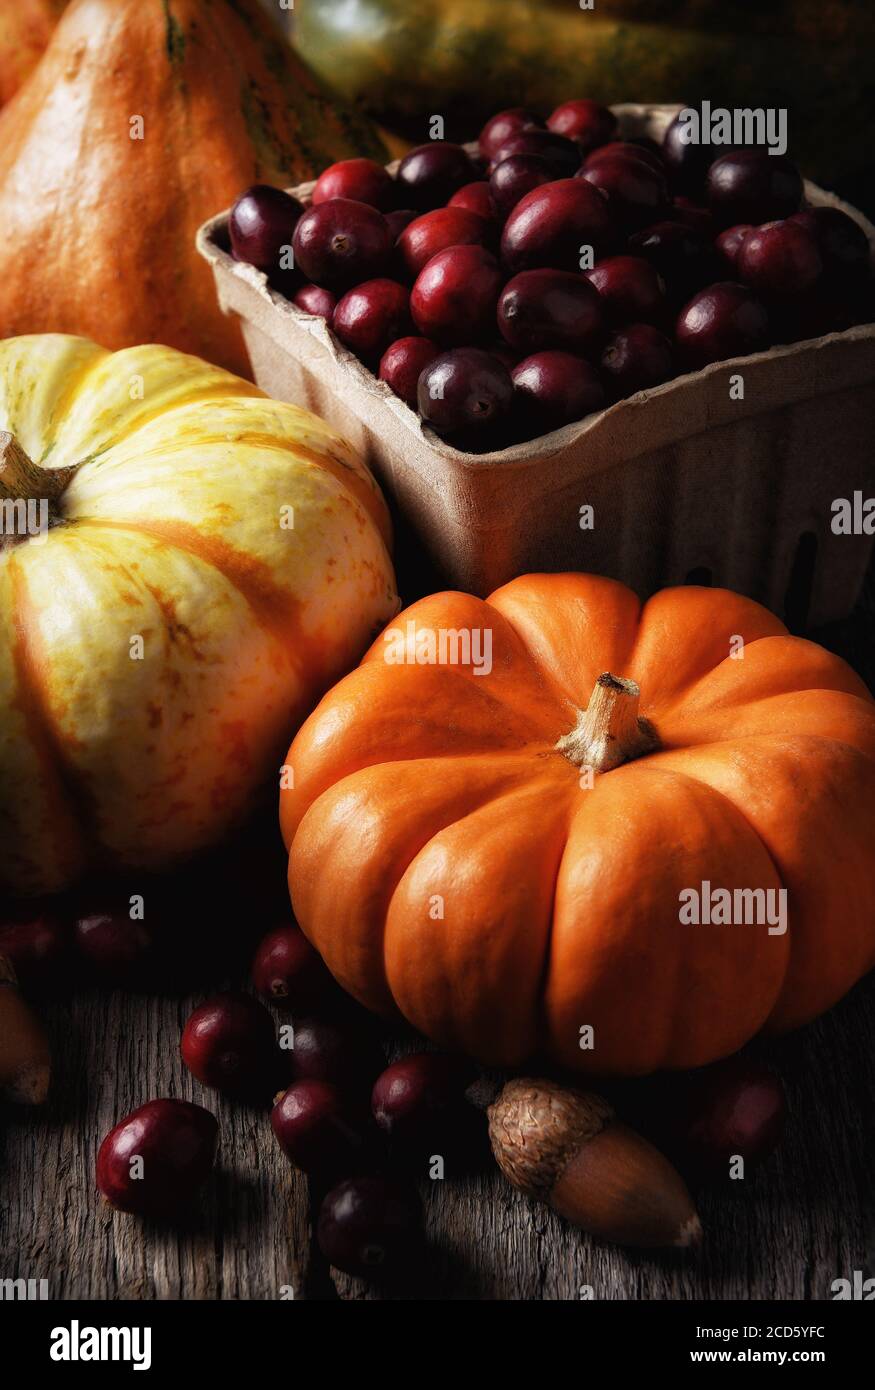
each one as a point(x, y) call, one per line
point(784, 1233)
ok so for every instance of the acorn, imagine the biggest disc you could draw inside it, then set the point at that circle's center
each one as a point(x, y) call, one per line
point(567, 1148)
point(25, 1065)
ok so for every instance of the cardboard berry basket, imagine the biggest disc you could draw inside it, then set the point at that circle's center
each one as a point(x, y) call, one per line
point(685, 481)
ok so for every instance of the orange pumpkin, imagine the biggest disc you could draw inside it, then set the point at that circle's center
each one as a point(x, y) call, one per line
point(141, 120)
point(25, 29)
point(506, 855)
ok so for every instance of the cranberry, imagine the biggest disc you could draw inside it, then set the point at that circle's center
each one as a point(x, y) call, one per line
point(625, 149)
point(155, 1159)
point(501, 127)
point(687, 164)
point(550, 308)
point(584, 121)
point(229, 1043)
point(262, 223)
point(313, 299)
point(363, 180)
point(341, 243)
point(843, 245)
point(684, 258)
point(343, 1051)
point(403, 363)
point(453, 300)
point(119, 947)
point(412, 1096)
point(513, 178)
point(692, 215)
point(438, 230)
point(315, 1129)
point(635, 192)
point(398, 220)
point(474, 197)
point(736, 1107)
point(631, 291)
point(724, 320)
point(504, 353)
point(466, 391)
point(37, 943)
point(288, 970)
point(779, 258)
point(429, 175)
point(561, 155)
point(729, 244)
point(549, 226)
point(636, 358)
point(553, 388)
point(371, 316)
point(752, 186)
point(371, 1226)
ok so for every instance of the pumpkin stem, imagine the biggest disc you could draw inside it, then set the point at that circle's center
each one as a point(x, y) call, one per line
point(22, 480)
point(609, 732)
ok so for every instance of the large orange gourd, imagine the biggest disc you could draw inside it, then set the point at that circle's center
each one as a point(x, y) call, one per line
point(142, 119)
point(25, 29)
point(505, 857)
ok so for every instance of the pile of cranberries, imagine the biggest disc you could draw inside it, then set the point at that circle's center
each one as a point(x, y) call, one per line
point(559, 269)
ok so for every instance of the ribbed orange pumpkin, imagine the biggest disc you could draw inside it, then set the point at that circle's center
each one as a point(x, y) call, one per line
point(142, 119)
point(506, 857)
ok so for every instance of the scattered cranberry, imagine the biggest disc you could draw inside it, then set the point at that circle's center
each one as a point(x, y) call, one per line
point(550, 308)
point(398, 220)
point(262, 224)
point(630, 289)
point(371, 1226)
point(454, 298)
point(363, 180)
point(315, 1129)
point(344, 1052)
point(466, 391)
point(437, 231)
point(636, 194)
point(561, 155)
point(634, 359)
point(371, 316)
point(729, 244)
point(736, 1107)
point(513, 178)
point(724, 320)
point(229, 1043)
point(341, 242)
point(553, 388)
point(474, 197)
point(415, 1096)
point(752, 186)
point(549, 226)
point(584, 121)
point(684, 258)
point(155, 1159)
point(37, 943)
point(779, 258)
point(843, 245)
point(429, 175)
point(288, 970)
point(502, 126)
point(403, 363)
point(119, 948)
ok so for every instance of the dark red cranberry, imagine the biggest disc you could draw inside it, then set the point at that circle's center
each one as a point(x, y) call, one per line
point(735, 1108)
point(752, 186)
point(684, 258)
point(262, 223)
point(363, 180)
point(467, 391)
point(724, 320)
point(843, 245)
point(288, 970)
point(38, 944)
point(371, 316)
point(430, 174)
point(398, 220)
point(454, 298)
point(630, 289)
point(584, 121)
point(155, 1159)
point(553, 388)
point(342, 1050)
point(316, 1130)
point(371, 1226)
point(550, 225)
point(437, 231)
point(229, 1043)
point(118, 947)
point(550, 309)
point(501, 127)
point(692, 215)
point(636, 194)
point(474, 197)
point(634, 359)
point(561, 155)
point(513, 178)
point(341, 243)
point(625, 149)
point(414, 1099)
point(779, 258)
point(403, 363)
point(729, 244)
point(313, 299)
point(687, 164)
